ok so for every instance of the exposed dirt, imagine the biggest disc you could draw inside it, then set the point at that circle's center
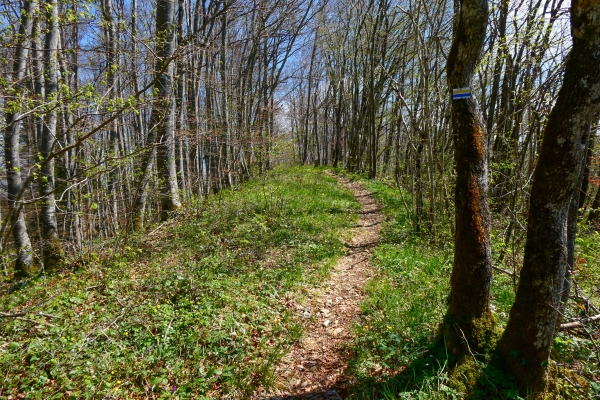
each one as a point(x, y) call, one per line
point(314, 367)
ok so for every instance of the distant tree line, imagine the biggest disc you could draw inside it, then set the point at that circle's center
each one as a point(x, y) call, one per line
point(114, 112)
point(373, 97)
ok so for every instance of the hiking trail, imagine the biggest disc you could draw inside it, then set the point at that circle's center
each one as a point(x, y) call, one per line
point(314, 367)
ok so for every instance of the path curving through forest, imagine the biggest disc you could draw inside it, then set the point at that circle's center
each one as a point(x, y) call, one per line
point(314, 368)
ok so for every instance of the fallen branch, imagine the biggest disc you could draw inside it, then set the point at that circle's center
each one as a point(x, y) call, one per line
point(7, 315)
point(23, 313)
point(581, 322)
point(511, 274)
point(41, 314)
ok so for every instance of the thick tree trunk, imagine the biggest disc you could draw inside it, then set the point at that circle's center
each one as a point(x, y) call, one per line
point(527, 340)
point(53, 252)
point(469, 324)
point(164, 114)
point(12, 136)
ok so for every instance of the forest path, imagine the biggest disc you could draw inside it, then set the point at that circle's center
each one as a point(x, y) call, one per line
point(314, 368)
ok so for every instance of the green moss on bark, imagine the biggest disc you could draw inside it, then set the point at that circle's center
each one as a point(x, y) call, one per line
point(469, 336)
point(54, 255)
point(23, 270)
point(464, 376)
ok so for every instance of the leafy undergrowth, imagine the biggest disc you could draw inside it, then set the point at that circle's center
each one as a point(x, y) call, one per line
point(197, 308)
point(577, 351)
point(394, 355)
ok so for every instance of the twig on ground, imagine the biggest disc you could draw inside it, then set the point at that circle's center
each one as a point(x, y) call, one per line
point(49, 315)
point(33, 321)
point(594, 343)
point(579, 323)
point(167, 331)
point(511, 274)
point(15, 315)
point(24, 313)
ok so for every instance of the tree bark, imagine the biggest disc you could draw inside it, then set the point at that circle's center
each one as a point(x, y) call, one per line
point(161, 136)
point(112, 64)
point(592, 217)
point(527, 340)
point(53, 252)
point(585, 179)
point(12, 136)
point(469, 324)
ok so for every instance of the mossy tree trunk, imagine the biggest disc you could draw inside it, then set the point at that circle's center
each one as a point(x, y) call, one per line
point(527, 340)
point(469, 324)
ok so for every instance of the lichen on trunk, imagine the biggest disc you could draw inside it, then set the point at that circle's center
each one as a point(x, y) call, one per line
point(469, 325)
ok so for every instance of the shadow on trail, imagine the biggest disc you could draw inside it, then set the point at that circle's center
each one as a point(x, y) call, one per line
point(328, 394)
point(427, 374)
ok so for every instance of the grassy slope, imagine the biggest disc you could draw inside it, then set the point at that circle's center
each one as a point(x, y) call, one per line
point(197, 308)
point(393, 356)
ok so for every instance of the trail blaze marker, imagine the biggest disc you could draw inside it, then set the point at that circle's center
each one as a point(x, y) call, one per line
point(461, 93)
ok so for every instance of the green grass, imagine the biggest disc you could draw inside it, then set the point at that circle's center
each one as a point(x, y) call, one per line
point(198, 308)
point(394, 355)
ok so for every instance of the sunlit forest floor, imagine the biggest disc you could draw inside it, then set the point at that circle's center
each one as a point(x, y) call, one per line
point(395, 354)
point(199, 307)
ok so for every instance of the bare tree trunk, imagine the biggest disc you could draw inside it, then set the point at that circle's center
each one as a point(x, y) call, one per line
point(110, 36)
point(12, 136)
point(502, 51)
point(161, 137)
point(592, 217)
point(165, 156)
point(308, 100)
point(53, 253)
point(526, 343)
point(585, 180)
point(572, 217)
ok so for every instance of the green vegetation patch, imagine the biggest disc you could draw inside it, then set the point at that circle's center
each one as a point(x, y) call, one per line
point(405, 303)
point(395, 354)
point(198, 307)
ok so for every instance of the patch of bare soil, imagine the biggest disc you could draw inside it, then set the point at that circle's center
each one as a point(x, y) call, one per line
point(314, 368)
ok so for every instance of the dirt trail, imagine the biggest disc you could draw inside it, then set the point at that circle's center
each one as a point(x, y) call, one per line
point(314, 367)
